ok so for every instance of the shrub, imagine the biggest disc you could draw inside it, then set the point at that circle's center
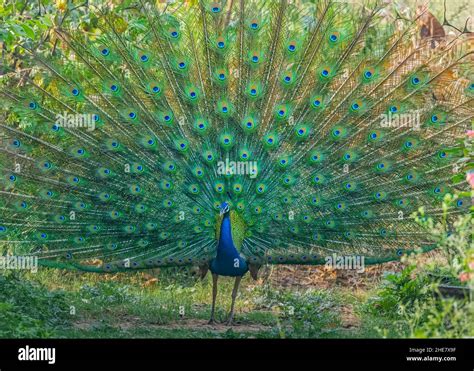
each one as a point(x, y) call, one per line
point(29, 310)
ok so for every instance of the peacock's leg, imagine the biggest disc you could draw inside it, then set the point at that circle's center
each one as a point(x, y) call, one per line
point(214, 296)
point(234, 295)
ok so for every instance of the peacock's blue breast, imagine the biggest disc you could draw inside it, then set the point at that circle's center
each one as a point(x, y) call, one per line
point(231, 266)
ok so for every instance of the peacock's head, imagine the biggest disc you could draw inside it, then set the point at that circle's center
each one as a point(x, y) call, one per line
point(225, 208)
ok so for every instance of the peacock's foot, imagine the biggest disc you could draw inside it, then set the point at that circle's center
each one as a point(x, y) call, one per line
point(212, 322)
point(230, 321)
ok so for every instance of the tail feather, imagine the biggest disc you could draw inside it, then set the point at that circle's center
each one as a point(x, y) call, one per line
point(323, 122)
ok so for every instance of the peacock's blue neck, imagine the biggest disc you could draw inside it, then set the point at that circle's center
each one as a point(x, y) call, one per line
point(226, 243)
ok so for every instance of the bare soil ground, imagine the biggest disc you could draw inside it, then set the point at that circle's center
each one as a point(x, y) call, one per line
point(322, 277)
point(186, 324)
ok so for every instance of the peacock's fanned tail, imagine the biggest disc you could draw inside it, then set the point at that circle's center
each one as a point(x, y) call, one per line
point(323, 124)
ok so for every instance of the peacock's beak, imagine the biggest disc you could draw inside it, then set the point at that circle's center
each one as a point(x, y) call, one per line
point(221, 212)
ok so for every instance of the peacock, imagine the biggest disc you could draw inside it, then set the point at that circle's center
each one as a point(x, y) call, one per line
point(228, 135)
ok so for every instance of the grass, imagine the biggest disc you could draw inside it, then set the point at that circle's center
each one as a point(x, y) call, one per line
point(175, 304)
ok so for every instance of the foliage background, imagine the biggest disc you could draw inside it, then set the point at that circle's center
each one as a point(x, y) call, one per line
point(405, 302)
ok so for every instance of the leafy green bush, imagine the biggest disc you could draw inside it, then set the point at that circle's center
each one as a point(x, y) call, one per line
point(17, 325)
point(400, 289)
point(413, 295)
point(440, 318)
point(29, 310)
